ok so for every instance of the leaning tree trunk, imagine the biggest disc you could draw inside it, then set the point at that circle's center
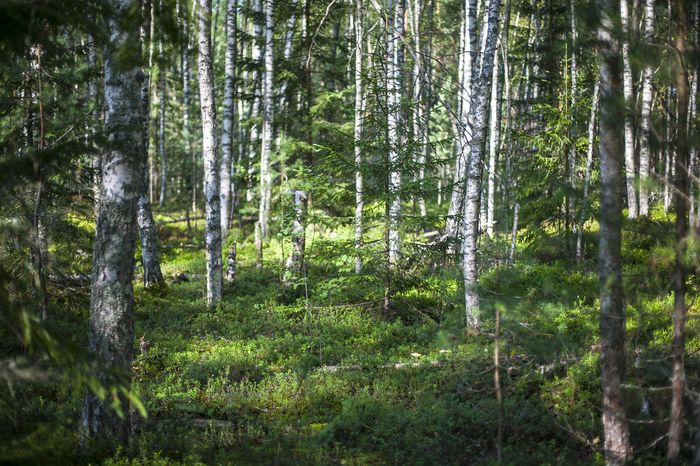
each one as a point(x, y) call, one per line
point(211, 163)
point(480, 113)
point(112, 296)
point(359, 200)
point(632, 199)
point(612, 301)
point(228, 117)
point(647, 94)
point(265, 153)
point(589, 168)
point(675, 430)
point(147, 227)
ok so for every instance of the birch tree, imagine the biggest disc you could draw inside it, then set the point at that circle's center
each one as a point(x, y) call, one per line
point(112, 295)
point(394, 90)
point(359, 201)
point(211, 163)
point(647, 94)
point(612, 302)
point(632, 199)
point(229, 115)
point(480, 115)
point(150, 256)
point(266, 150)
point(589, 169)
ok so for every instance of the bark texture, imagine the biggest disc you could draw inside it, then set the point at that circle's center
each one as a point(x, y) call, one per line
point(632, 199)
point(647, 94)
point(211, 162)
point(589, 168)
point(480, 113)
point(675, 430)
point(147, 227)
point(612, 302)
point(112, 298)
point(359, 200)
point(266, 152)
point(228, 116)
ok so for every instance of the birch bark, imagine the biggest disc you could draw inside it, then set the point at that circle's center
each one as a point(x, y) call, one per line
point(612, 302)
point(359, 200)
point(647, 94)
point(632, 199)
point(150, 256)
point(265, 175)
point(480, 114)
point(229, 115)
point(589, 167)
point(112, 296)
point(494, 137)
point(211, 163)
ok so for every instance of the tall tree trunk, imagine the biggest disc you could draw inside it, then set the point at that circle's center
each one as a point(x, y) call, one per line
point(255, 54)
point(161, 133)
point(394, 119)
point(494, 137)
point(679, 287)
point(612, 302)
point(147, 227)
point(211, 163)
point(229, 115)
point(265, 153)
point(647, 94)
point(187, 95)
point(669, 152)
point(632, 199)
point(112, 297)
point(589, 169)
point(359, 198)
point(480, 113)
point(464, 137)
point(693, 162)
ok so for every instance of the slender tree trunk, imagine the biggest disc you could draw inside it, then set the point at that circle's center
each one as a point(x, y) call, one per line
point(675, 430)
point(480, 113)
point(589, 169)
point(295, 262)
point(669, 152)
point(211, 163)
point(394, 120)
point(632, 199)
point(693, 162)
point(514, 234)
point(161, 134)
point(612, 302)
point(112, 297)
point(147, 227)
point(359, 200)
point(494, 137)
point(647, 94)
point(265, 153)
point(229, 115)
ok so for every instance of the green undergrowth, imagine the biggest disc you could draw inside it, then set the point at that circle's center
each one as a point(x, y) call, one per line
point(269, 377)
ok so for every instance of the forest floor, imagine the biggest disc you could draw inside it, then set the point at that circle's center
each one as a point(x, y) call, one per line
point(273, 377)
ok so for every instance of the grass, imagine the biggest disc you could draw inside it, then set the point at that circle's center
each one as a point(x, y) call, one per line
point(255, 365)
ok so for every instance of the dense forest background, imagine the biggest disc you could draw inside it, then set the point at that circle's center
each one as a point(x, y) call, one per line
point(295, 232)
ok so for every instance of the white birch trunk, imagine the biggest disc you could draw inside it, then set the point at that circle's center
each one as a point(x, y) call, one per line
point(295, 262)
point(211, 163)
point(265, 175)
point(480, 112)
point(465, 134)
point(394, 90)
point(112, 296)
point(647, 94)
point(514, 234)
point(359, 201)
point(669, 154)
point(147, 228)
point(589, 168)
point(255, 54)
point(161, 134)
point(632, 199)
point(494, 127)
point(187, 93)
point(228, 116)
